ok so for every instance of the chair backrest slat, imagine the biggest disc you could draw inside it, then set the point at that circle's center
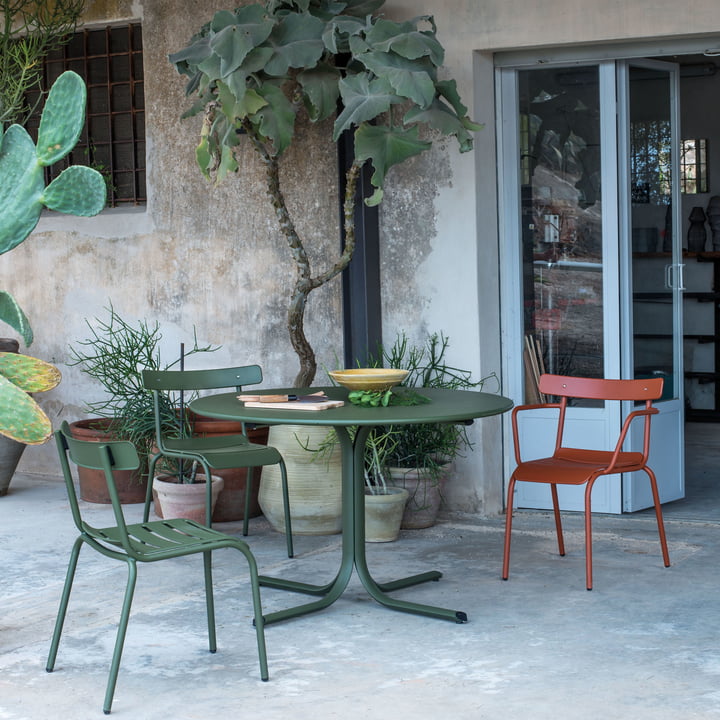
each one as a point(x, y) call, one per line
point(212, 379)
point(600, 388)
point(105, 456)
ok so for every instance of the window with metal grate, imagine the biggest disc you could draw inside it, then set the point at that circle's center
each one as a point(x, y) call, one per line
point(110, 60)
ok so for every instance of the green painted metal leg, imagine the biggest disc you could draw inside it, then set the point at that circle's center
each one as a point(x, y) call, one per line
point(353, 554)
point(64, 599)
point(286, 508)
point(148, 494)
point(249, 480)
point(378, 590)
point(259, 620)
point(120, 639)
point(210, 601)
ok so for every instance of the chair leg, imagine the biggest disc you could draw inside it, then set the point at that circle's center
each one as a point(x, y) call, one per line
point(558, 521)
point(588, 535)
point(148, 495)
point(659, 516)
point(286, 507)
point(249, 482)
point(508, 528)
point(64, 600)
point(210, 601)
point(120, 639)
point(258, 618)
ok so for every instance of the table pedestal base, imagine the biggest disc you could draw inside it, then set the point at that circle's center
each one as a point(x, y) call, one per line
point(353, 554)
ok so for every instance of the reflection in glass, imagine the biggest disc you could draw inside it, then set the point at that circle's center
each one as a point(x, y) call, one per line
point(561, 220)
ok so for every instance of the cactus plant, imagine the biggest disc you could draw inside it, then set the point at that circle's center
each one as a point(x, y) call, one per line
point(77, 190)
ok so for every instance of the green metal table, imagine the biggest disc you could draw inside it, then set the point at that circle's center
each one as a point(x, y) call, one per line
point(457, 406)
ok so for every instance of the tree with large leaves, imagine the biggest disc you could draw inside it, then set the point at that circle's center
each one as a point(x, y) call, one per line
point(255, 69)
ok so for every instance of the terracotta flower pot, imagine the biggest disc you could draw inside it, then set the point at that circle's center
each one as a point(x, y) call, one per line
point(184, 500)
point(130, 485)
point(425, 495)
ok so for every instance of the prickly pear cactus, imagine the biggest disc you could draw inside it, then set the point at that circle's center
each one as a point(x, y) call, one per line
point(77, 190)
point(21, 418)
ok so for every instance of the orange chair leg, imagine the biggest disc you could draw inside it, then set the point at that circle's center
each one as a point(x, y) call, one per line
point(588, 536)
point(508, 528)
point(558, 522)
point(658, 515)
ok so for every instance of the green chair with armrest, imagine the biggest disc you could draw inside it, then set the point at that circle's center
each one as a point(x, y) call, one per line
point(145, 542)
point(220, 453)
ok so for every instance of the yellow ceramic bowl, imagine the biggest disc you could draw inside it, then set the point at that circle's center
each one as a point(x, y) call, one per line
point(368, 378)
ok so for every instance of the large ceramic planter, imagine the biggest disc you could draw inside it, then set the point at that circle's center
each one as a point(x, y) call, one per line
point(424, 495)
point(231, 501)
point(314, 483)
point(10, 453)
point(93, 488)
point(383, 514)
point(184, 500)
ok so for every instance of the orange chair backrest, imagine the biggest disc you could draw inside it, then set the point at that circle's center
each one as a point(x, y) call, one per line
point(601, 389)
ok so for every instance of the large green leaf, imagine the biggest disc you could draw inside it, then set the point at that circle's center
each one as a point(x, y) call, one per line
point(297, 42)
point(21, 418)
point(192, 55)
point(386, 147)
point(78, 190)
point(21, 185)
point(321, 89)
point(412, 79)
point(364, 99)
point(233, 43)
point(276, 120)
point(62, 118)
point(406, 40)
point(362, 8)
point(12, 314)
point(337, 31)
point(440, 117)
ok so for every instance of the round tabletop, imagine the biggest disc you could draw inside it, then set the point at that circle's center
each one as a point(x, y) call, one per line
point(443, 406)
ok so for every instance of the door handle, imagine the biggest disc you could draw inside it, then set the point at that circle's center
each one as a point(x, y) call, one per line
point(675, 273)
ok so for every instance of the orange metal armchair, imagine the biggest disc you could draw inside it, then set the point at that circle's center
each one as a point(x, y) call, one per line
point(575, 466)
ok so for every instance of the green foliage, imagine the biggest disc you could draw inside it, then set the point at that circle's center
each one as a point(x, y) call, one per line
point(30, 30)
point(260, 65)
point(115, 354)
point(426, 446)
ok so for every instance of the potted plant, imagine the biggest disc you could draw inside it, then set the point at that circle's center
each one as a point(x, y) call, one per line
point(262, 69)
point(418, 457)
point(384, 502)
point(114, 355)
point(76, 190)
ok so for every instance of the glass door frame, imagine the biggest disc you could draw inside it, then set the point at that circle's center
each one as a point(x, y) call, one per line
point(617, 331)
point(636, 494)
point(605, 422)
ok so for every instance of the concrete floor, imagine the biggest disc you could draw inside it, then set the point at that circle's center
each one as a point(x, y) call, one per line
point(644, 644)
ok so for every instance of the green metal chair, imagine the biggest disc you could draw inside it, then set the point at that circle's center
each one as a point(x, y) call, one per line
point(142, 542)
point(220, 453)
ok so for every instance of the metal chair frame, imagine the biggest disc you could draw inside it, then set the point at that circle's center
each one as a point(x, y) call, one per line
point(144, 542)
point(220, 452)
point(576, 466)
